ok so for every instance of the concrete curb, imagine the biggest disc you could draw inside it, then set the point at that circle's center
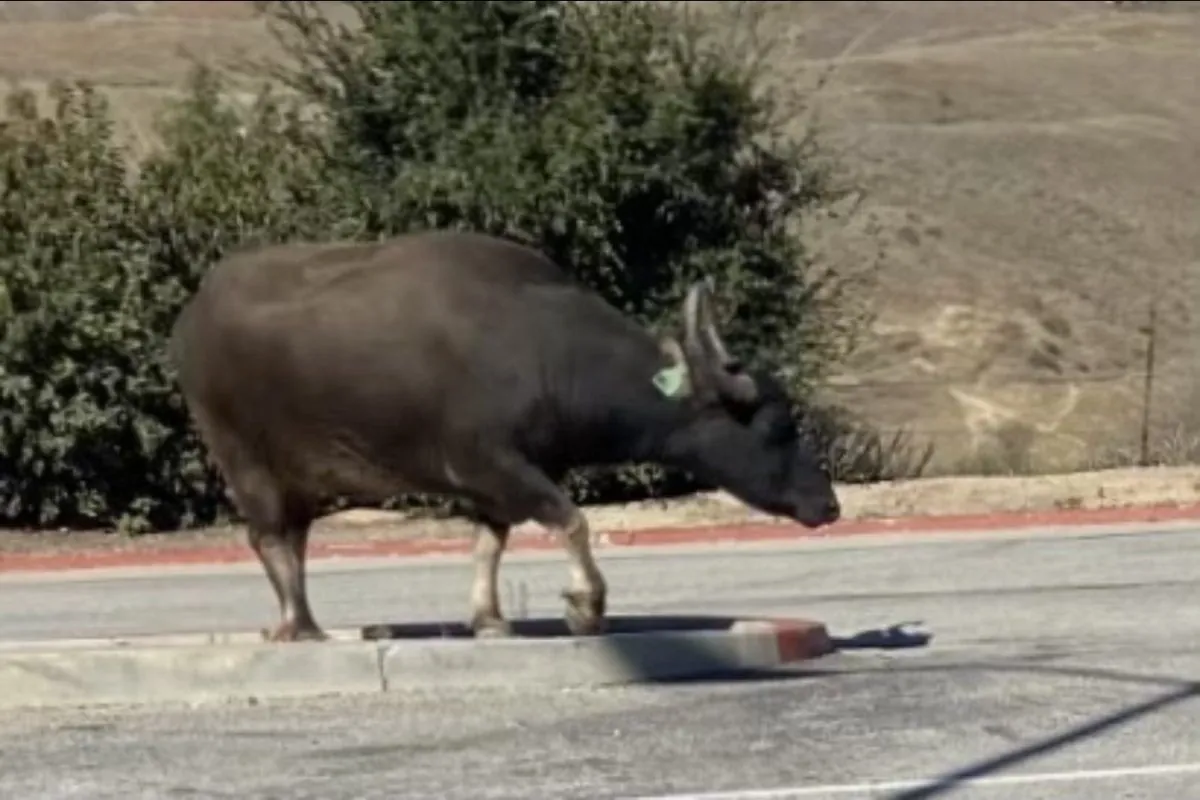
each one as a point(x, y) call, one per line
point(222, 667)
point(719, 533)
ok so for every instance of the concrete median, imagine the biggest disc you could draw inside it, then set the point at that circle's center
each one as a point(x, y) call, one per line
point(195, 668)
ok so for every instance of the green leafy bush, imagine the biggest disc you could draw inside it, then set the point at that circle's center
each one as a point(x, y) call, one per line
point(601, 132)
point(97, 254)
point(77, 413)
point(606, 134)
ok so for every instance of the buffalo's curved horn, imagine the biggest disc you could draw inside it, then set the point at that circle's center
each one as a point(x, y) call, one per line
point(673, 351)
point(712, 336)
point(705, 342)
point(694, 348)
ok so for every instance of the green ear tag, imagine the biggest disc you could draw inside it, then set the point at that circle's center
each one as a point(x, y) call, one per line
point(672, 381)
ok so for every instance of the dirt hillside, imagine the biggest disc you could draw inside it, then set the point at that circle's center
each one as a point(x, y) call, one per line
point(1031, 167)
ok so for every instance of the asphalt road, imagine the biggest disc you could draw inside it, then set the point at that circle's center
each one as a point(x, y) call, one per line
point(1062, 666)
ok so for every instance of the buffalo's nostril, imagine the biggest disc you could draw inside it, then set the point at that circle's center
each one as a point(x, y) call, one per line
point(833, 510)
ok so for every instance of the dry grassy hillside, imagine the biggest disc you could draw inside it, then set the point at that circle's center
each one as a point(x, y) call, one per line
point(1032, 168)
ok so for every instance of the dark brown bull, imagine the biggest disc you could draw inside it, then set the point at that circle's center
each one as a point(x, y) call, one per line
point(465, 365)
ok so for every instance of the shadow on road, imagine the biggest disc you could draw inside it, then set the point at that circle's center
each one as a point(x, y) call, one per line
point(660, 660)
point(556, 628)
point(894, 637)
point(648, 651)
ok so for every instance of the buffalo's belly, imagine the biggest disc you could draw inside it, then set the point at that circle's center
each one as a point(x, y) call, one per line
point(368, 463)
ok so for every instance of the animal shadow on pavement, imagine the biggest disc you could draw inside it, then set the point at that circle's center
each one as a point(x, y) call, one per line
point(631, 639)
point(894, 637)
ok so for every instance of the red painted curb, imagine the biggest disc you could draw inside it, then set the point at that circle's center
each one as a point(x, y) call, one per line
point(718, 533)
point(801, 640)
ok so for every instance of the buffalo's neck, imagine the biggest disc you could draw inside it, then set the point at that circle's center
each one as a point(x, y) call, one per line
point(717, 453)
point(606, 431)
point(625, 436)
point(599, 405)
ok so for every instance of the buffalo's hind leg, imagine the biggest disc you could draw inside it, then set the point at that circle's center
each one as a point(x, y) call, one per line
point(280, 538)
point(277, 526)
point(277, 523)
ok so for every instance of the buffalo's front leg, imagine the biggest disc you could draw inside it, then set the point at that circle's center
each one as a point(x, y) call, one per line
point(587, 596)
point(486, 619)
point(516, 490)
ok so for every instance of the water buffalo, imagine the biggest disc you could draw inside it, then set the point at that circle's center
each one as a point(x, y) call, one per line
point(465, 365)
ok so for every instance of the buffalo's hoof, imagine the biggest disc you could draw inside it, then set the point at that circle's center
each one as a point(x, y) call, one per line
point(292, 632)
point(585, 613)
point(491, 628)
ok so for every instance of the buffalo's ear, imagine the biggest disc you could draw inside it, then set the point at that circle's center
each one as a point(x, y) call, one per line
point(674, 381)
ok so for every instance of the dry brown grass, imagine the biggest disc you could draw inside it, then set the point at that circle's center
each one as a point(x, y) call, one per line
point(1031, 169)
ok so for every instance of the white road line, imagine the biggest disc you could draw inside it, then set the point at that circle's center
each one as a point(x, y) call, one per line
point(835, 789)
